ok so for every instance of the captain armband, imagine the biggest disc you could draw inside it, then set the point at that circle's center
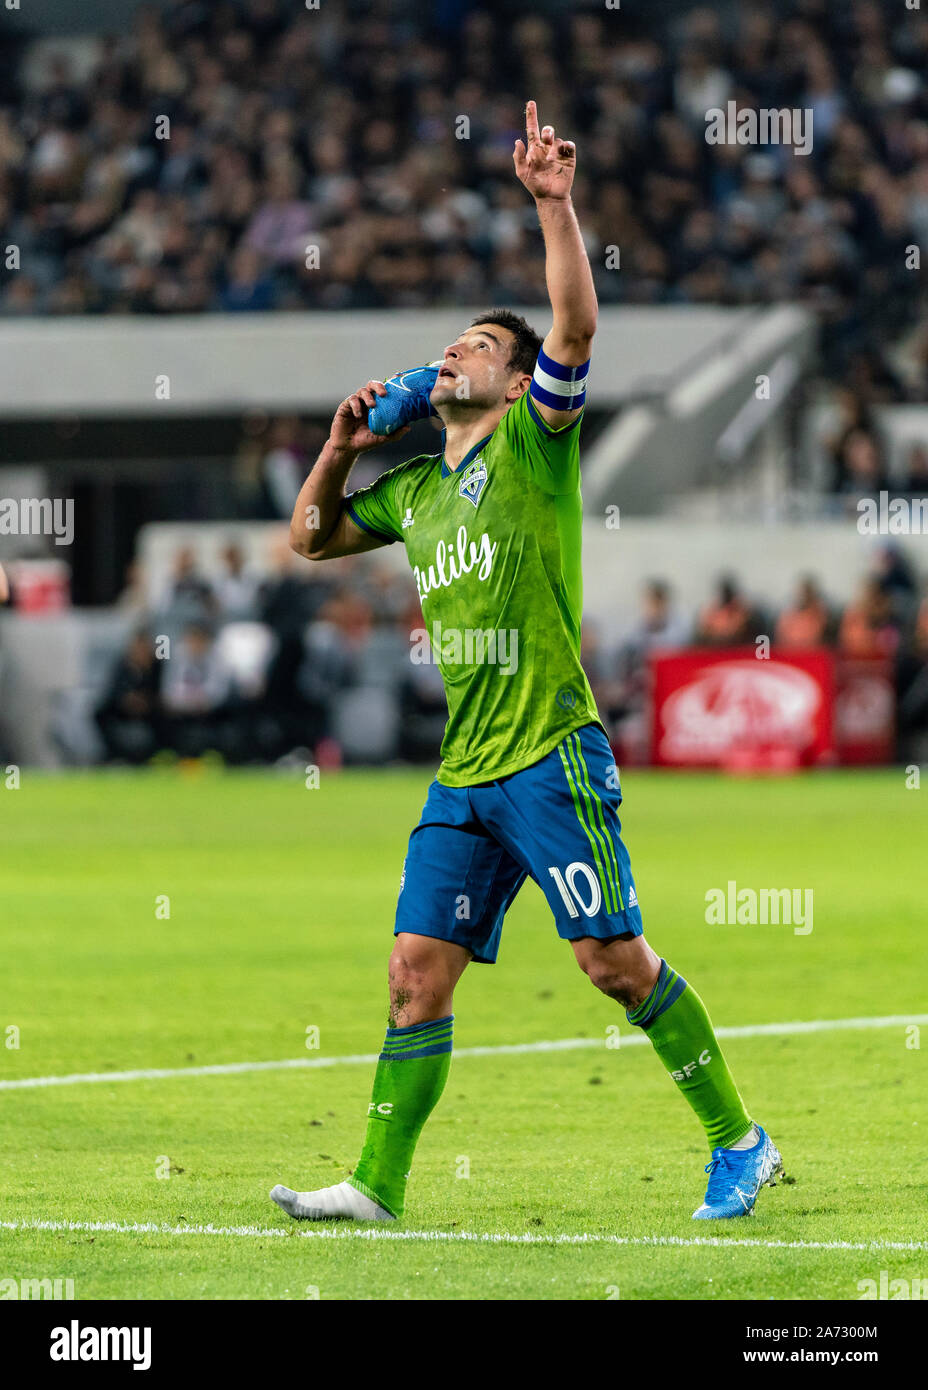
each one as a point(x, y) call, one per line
point(561, 388)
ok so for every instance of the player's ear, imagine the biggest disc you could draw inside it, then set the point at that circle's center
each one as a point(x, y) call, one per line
point(519, 387)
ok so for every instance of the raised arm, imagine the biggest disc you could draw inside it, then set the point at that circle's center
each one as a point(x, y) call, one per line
point(545, 164)
point(320, 528)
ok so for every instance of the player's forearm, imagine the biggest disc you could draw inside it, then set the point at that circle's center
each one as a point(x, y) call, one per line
point(569, 278)
point(319, 504)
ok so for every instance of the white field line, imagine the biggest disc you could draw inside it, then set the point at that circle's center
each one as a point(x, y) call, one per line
point(163, 1228)
point(752, 1030)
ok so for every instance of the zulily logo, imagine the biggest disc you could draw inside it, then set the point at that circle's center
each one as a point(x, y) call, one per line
point(451, 561)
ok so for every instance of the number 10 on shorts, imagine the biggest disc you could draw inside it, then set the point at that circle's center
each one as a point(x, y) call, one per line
point(574, 896)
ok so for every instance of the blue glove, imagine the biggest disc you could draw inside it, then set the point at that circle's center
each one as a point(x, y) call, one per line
point(407, 399)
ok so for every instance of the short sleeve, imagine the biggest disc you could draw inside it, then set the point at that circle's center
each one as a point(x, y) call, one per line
point(374, 508)
point(551, 457)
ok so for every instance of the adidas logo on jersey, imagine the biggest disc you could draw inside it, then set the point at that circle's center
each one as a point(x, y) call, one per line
point(632, 896)
point(473, 480)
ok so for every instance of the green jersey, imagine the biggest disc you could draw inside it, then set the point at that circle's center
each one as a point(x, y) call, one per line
point(495, 548)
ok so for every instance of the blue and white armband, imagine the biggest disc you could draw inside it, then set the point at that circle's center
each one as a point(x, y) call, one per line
point(561, 388)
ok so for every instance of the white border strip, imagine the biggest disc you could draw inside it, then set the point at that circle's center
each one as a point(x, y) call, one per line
point(163, 1228)
point(751, 1030)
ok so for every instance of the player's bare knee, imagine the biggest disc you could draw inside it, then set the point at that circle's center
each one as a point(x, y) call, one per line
point(406, 975)
point(415, 978)
point(616, 984)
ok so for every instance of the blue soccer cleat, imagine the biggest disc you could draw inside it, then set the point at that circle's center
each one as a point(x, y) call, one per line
point(407, 399)
point(736, 1176)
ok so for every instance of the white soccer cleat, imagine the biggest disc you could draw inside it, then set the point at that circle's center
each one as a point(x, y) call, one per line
point(329, 1203)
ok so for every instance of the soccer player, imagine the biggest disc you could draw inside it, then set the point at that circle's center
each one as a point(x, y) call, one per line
point(527, 783)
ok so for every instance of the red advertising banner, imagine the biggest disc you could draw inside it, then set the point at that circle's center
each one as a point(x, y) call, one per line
point(865, 709)
point(731, 708)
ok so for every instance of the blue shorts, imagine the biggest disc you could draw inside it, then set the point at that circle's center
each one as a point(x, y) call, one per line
point(556, 821)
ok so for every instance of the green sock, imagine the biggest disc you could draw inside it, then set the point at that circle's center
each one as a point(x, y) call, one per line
point(411, 1074)
point(675, 1019)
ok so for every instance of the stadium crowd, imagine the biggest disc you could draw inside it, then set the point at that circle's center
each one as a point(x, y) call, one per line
point(275, 453)
point(259, 156)
point(324, 665)
point(256, 667)
point(359, 155)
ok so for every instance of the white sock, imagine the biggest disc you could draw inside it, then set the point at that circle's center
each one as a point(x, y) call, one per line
point(749, 1140)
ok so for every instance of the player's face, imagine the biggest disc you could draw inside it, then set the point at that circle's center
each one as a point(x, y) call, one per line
point(475, 369)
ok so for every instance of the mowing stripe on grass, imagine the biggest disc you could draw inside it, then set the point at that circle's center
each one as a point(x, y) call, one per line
point(751, 1030)
point(163, 1228)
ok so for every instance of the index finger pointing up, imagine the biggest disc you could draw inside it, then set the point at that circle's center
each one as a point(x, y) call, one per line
point(531, 121)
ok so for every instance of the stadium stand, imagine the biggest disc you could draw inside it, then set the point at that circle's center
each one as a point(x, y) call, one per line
point(356, 158)
point(370, 132)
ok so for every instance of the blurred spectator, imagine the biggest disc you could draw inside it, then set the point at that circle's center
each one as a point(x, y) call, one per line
point(869, 626)
point(423, 705)
point(620, 680)
point(285, 466)
point(861, 470)
point(236, 591)
point(916, 483)
point(197, 682)
point(893, 572)
point(729, 620)
point(598, 663)
point(132, 599)
point(806, 622)
point(853, 414)
point(328, 661)
point(912, 676)
point(280, 230)
point(249, 288)
point(197, 695)
point(128, 716)
point(289, 600)
point(189, 596)
point(293, 593)
point(892, 568)
point(660, 626)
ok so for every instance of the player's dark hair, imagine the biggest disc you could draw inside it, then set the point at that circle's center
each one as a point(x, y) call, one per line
point(527, 343)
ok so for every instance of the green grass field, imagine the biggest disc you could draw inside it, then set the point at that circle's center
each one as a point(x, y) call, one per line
point(281, 911)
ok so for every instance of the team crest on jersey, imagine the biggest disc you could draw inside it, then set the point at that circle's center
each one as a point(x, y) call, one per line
point(473, 480)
